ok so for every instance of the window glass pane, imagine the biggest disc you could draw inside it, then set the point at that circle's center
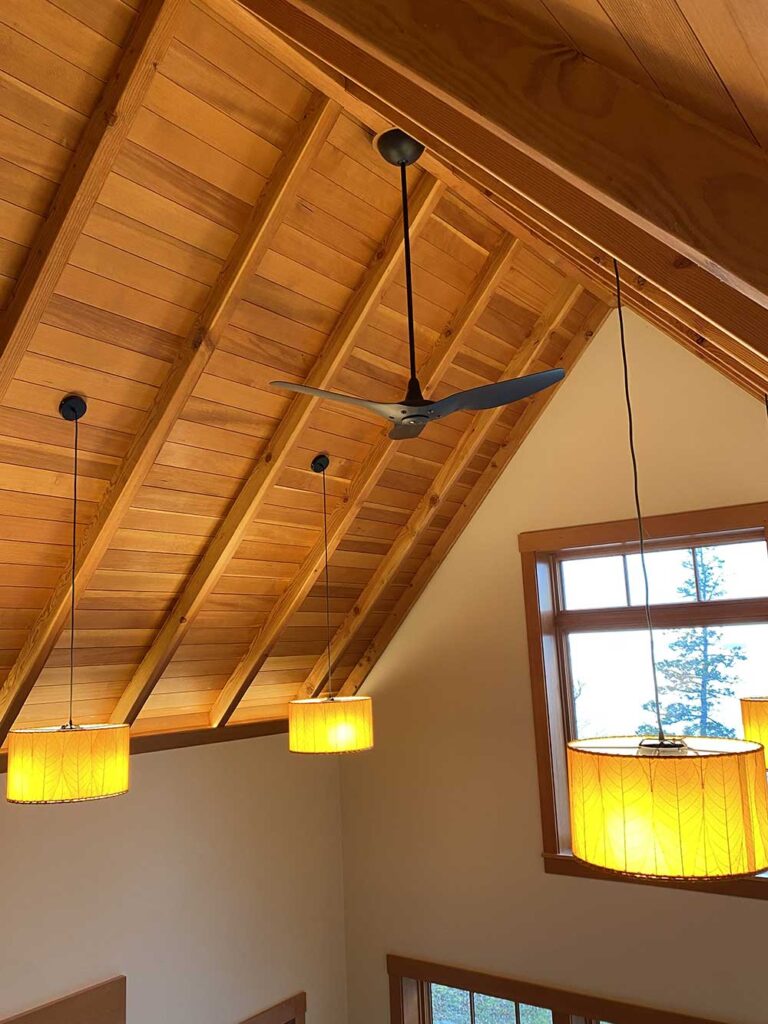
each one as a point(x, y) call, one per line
point(733, 571)
point(611, 675)
point(594, 582)
point(670, 577)
point(702, 673)
point(534, 1015)
point(450, 1005)
point(489, 1010)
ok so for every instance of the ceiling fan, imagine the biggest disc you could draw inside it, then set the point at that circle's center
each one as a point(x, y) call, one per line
point(410, 415)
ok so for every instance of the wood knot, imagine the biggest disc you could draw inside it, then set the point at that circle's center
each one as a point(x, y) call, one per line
point(183, 619)
point(700, 340)
point(434, 500)
point(356, 610)
point(111, 118)
point(268, 457)
point(640, 281)
point(681, 263)
point(597, 258)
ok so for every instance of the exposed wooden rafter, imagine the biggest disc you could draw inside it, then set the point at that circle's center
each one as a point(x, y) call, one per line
point(256, 488)
point(104, 135)
point(445, 348)
point(190, 363)
point(476, 496)
point(449, 473)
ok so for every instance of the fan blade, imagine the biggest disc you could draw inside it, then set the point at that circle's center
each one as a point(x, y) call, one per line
point(388, 411)
point(492, 396)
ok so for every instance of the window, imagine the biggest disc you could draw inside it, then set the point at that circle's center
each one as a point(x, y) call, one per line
point(589, 649)
point(427, 993)
point(459, 1006)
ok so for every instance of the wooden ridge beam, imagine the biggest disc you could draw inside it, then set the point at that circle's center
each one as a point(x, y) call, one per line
point(360, 488)
point(256, 488)
point(469, 506)
point(92, 161)
point(703, 314)
point(493, 166)
point(254, 240)
point(470, 442)
point(671, 173)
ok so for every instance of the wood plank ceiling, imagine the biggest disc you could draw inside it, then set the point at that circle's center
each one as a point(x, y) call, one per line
point(189, 208)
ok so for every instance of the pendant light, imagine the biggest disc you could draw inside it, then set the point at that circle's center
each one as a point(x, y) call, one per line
point(661, 806)
point(754, 717)
point(69, 763)
point(754, 710)
point(329, 725)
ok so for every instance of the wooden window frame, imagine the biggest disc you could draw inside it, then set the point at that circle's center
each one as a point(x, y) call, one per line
point(410, 981)
point(539, 552)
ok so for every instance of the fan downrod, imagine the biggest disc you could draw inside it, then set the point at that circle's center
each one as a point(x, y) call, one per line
point(398, 148)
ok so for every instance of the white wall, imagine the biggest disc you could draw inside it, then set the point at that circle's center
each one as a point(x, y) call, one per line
point(215, 886)
point(441, 822)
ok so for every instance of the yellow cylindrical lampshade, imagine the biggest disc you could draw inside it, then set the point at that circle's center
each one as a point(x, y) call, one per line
point(754, 715)
point(65, 765)
point(324, 726)
point(698, 813)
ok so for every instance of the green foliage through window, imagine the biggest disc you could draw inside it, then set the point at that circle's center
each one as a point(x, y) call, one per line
point(456, 1006)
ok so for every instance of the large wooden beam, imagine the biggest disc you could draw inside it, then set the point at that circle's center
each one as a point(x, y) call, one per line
point(689, 184)
point(256, 488)
point(251, 245)
point(464, 141)
point(93, 159)
point(470, 442)
point(468, 508)
point(366, 479)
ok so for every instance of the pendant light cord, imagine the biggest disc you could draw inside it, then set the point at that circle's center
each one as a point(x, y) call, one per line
point(72, 596)
point(636, 485)
point(327, 591)
point(413, 384)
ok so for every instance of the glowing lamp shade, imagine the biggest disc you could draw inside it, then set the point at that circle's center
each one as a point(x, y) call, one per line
point(338, 726)
point(754, 715)
point(68, 764)
point(698, 813)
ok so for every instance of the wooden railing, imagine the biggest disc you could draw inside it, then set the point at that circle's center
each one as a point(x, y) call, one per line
point(292, 1011)
point(102, 1004)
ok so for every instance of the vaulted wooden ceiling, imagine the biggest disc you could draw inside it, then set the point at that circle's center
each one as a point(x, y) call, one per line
point(190, 207)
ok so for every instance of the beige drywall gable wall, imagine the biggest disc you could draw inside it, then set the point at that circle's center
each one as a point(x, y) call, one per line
point(214, 886)
point(441, 822)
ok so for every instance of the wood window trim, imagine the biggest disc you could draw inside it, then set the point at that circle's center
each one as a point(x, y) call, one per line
point(547, 662)
point(409, 982)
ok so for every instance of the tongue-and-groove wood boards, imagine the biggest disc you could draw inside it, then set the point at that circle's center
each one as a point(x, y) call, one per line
point(187, 213)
